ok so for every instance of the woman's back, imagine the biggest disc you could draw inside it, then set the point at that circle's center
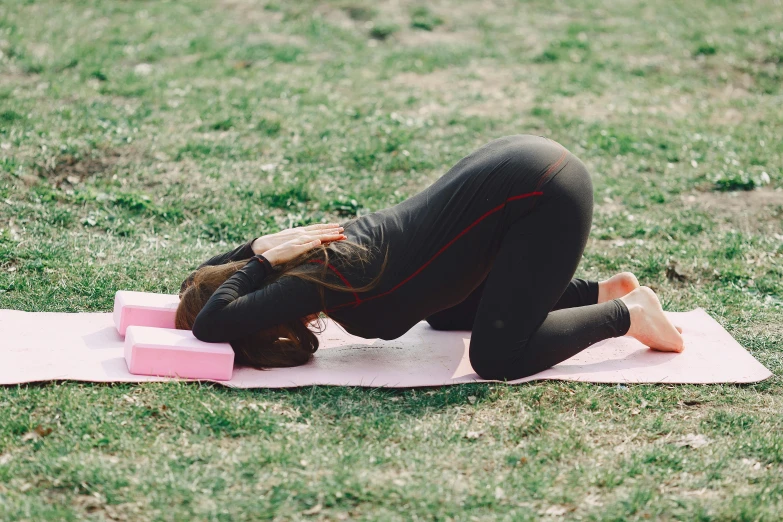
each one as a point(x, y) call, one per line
point(441, 242)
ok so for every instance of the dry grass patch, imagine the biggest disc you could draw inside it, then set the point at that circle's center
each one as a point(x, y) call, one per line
point(74, 170)
point(425, 38)
point(474, 90)
point(620, 105)
point(758, 211)
point(251, 12)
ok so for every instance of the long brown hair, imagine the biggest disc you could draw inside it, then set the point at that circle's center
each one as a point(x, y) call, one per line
point(287, 344)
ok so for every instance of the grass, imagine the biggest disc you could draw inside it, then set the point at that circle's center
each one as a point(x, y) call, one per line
point(138, 138)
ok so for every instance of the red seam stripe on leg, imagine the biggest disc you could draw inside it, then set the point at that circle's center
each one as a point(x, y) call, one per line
point(552, 167)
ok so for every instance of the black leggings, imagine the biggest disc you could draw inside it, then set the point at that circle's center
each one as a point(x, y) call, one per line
point(529, 314)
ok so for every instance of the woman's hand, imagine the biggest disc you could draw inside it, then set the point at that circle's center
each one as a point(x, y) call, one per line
point(264, 243)
point(301, 244)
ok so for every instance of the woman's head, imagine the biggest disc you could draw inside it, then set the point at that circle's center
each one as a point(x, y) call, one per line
point(288, 344)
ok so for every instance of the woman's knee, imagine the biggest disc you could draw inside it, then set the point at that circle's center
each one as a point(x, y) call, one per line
point(487, 369)
point(499, 367)
point(502, 372)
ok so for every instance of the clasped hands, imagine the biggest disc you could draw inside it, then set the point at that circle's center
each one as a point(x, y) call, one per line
point(285, 245)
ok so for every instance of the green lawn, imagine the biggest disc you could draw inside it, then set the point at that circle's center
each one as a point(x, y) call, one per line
point(139, 138)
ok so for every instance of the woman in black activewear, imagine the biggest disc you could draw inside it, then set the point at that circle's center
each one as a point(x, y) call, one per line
point(491, 247)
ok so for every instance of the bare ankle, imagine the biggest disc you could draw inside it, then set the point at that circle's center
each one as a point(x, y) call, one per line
point(636, 313)
point(607, 290)
point(603, 291)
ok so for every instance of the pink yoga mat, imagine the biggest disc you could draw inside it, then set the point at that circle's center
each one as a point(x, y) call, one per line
point(87, 347)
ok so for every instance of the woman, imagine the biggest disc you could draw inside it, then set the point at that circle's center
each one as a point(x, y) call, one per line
point(491, 247)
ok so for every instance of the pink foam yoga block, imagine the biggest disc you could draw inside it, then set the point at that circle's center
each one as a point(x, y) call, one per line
point(166, 352)
point(144, 309)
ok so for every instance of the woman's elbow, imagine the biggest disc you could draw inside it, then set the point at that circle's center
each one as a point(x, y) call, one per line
point(203, 331)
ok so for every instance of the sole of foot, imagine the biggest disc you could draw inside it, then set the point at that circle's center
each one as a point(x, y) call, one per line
point(649, 325)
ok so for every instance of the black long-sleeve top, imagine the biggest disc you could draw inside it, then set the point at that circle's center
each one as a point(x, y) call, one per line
point(441, 244)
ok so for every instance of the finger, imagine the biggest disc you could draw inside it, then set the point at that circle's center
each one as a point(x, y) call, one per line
point(330, 235)
point(323, 236)
point(305, 241)
point(319, 226)
point(326, 231)
point(301, 248)
point(325, 241)
point(322, 231)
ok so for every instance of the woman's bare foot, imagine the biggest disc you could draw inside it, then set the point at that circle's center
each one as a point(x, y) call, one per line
point(617, 286)
point(649, 325)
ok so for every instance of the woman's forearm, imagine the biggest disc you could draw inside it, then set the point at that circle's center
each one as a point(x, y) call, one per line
point(247, 303)
point(230, 313)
